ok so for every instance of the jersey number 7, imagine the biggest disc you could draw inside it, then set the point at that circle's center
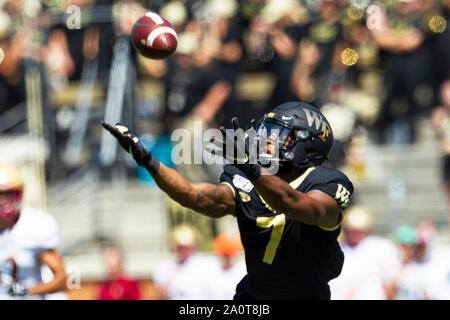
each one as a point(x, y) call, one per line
point(277, 223)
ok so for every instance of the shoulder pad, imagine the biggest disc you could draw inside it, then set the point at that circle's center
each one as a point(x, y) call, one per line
point(323, 175)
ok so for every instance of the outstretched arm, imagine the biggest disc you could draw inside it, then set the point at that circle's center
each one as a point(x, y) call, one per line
point(211, 200)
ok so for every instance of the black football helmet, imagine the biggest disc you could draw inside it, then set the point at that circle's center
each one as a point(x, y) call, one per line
point(303, 133)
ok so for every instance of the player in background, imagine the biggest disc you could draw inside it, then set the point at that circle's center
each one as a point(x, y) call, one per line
point(119, 285)
point(441, 122)
point(289, 222)
point(409, 282)
point(371, 262)
point(183, 277)
point(229, 269)
point(28, 240)
point(437, 279)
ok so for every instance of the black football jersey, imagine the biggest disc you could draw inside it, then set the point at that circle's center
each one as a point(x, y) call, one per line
point(285, 258)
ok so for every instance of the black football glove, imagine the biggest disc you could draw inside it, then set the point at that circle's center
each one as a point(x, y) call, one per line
point(131, 143)
point(17, 290)
point(239, 149)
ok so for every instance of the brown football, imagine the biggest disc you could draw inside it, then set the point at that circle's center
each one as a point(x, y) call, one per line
point(154, 37)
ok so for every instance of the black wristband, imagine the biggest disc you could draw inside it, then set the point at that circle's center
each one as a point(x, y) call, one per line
point(153, 166)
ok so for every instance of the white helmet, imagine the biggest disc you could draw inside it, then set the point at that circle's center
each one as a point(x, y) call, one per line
point(11, 192)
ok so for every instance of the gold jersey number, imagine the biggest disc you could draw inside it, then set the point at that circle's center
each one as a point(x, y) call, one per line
point(277, 223)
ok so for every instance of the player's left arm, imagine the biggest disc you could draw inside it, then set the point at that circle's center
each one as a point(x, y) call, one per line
point(58, 283)
point(314, 207)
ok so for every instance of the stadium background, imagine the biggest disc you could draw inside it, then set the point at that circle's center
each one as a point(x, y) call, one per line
point(62, 73)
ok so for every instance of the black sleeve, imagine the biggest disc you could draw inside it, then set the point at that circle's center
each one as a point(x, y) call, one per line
point(227, 175)
point(341, 191)
point(333, 183)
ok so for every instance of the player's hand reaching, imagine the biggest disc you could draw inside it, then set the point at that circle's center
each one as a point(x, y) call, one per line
point(239, 148)
point(131, 143)
point(17, 289)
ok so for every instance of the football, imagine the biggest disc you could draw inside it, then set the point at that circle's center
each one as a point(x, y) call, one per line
point(154, 37)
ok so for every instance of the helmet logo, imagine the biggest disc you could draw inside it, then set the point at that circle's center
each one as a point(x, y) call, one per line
point(316, 119)
point(324, 134)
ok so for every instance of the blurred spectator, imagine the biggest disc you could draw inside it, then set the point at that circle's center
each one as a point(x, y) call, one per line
point(280, 23)
point(370, 261)
point(180, 74)
point(326, 32)
point(203, 113)
point(343, 121)
point(12, 44)
point(302, 82)
point(192, 85)
point(230, 267)
point(429, 233)
point(225, 26)
point(119, 285)
point(409, 282)
point(438, 19)
point(400, 36)
point(194, 96)
point(437, 279)
point(441, 122)
point(196, 90)
point(195, 82)
point(67, 48)
point(318, 62)
point(183, 277)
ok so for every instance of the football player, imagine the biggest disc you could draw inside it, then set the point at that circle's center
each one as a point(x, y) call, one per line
point(28, 239)
point(289, 221)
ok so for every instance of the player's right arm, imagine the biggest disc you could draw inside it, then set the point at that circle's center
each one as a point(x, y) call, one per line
point(211, 200)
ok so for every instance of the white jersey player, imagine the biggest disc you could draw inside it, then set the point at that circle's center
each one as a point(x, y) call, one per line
point(437, 278)
point(28, 239)
point(183, 277)
point(370, 264)
point(229, 269)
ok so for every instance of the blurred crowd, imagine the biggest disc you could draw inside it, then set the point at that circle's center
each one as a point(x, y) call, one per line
point(382, 64)
point(374, 68)
point(188, 275)
point(410, 265)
